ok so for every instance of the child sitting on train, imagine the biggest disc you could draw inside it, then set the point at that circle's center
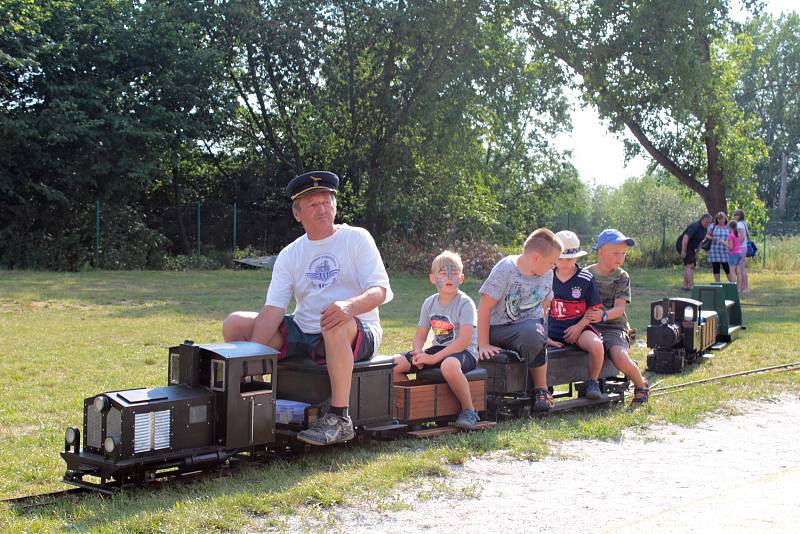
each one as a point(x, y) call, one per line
point(576, 302)
point(511, 310)
point(614, 286)
point(450, 313)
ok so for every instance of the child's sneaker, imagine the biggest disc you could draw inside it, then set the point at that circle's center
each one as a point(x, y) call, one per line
point(467, 419)
point(327, 430)
point(542, 400)
point(593, 390)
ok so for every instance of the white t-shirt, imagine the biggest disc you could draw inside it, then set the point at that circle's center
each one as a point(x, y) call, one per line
point(742, 227)
point(320, 272)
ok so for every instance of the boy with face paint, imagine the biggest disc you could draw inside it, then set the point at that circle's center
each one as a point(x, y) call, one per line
point(450, 314)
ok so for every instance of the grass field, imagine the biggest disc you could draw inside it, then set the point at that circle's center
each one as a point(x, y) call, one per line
point(69, 336)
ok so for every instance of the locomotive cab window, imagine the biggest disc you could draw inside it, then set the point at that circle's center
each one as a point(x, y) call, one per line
point(688, 314)
point(174, 367)
point(658, 312)
point(256, 377)
point(217, 382)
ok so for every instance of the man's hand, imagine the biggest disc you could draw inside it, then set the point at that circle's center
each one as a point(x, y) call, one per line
point(336, 314)
point(487, 351)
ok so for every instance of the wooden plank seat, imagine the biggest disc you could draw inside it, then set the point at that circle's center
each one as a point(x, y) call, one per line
point(428, 398)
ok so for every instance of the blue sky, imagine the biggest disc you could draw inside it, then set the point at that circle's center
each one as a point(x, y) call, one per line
point(597, 154)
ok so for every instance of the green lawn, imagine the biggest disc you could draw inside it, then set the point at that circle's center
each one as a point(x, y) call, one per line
point(69, 336)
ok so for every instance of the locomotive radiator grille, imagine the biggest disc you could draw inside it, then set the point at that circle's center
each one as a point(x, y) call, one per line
point(94, 428)
point(151, 431)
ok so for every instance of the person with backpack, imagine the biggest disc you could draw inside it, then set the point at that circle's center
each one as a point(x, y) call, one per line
point(687, 244)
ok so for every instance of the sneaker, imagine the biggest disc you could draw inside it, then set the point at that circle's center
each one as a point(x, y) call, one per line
point(543, 400)
point(467, 419)
point(327, 430)
point(640, 396)
point(593, 390)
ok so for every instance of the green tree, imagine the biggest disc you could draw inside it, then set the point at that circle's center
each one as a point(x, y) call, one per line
point(664, 71)
point(770, 89)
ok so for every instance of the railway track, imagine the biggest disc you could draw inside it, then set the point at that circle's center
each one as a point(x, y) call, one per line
point(45, 499)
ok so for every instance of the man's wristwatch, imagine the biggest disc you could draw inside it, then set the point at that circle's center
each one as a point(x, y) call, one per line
point(605, 316)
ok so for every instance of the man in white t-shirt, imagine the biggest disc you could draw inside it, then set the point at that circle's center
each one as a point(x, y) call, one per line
point(337, 277)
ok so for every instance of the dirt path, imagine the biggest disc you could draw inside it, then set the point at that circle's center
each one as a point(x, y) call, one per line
point(728, 474)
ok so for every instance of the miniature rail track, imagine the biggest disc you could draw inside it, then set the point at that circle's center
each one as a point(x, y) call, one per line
point(45, 499)
point(666, 390)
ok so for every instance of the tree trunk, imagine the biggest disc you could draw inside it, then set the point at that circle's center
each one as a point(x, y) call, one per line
point(176, 189)
point(784, 190)
point(714, 193)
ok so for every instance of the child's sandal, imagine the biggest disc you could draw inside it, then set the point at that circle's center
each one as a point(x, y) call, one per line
point(640, 396)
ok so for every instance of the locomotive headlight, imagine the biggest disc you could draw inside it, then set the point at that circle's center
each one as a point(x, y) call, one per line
point(110, 445)
point(101, 403)
point(72, 438)
point(71, 435)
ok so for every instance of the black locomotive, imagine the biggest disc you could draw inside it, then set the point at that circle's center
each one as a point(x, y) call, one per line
point(220, 402)
point(680, 332)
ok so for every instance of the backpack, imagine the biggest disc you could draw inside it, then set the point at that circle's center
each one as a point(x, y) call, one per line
point(751, 247)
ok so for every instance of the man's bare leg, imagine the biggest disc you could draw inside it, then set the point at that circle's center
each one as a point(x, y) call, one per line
point(238, 326)
point(339, 356)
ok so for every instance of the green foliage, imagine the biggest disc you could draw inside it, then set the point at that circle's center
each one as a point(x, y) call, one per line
point(667, 73)
point(769, 90)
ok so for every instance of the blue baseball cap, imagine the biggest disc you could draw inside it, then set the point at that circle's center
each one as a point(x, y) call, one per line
point(612, 235)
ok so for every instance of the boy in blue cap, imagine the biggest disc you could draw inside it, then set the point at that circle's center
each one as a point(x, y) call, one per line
point(614, 285)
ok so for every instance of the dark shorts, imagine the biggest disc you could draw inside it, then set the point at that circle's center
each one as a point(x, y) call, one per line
point(526, 338)
point(615, 337)
point(691, 257)
point(589, 327)
point(466, 359)
point(298, 344)
point(715, 265)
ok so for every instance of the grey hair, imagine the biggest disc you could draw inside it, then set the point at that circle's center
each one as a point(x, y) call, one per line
point(296, 202)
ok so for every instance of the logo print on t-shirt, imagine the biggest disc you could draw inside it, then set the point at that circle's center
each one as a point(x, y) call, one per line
point(517, 303)
point(576, 292)
point(443, 329)
point(323, 271)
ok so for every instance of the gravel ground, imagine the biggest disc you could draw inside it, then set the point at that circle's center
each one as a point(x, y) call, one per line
point(727, 474)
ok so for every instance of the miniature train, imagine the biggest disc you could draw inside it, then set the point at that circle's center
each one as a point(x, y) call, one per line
point(681, 331)
point(233, 400)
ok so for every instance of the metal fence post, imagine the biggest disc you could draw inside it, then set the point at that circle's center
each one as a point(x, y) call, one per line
point(198, 227)
point(97, 234)
point(234, 227)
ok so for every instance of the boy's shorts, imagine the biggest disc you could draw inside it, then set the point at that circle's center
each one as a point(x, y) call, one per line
point(589, 327)
point(467, 360)
point(527, 338)
point(615, 337)
point(298, 344)
point(734, 259)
